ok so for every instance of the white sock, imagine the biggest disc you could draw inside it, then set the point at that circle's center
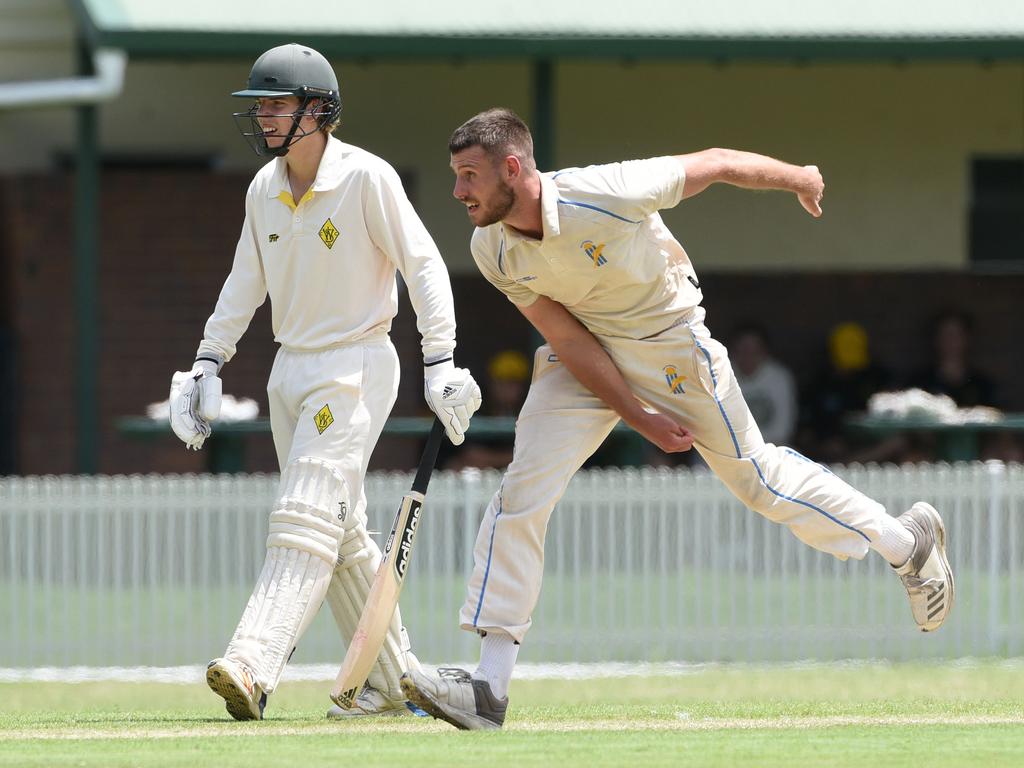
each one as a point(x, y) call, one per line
point(498, 653)
point(896, 544)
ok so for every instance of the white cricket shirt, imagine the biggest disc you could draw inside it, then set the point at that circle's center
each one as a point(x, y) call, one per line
point(328, 263)
point(606, 254)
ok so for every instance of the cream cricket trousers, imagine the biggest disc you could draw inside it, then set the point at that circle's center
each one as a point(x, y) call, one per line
point(682, 372)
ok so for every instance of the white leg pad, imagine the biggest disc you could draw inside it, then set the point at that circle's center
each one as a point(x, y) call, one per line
point(313, 509)
point(302, 551)
point(290, 590)
point(349, 587)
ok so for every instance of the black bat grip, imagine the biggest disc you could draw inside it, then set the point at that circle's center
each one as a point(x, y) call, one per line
point(429, 459)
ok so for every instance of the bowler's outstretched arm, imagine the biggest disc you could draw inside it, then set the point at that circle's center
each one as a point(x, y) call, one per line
point(752, 171)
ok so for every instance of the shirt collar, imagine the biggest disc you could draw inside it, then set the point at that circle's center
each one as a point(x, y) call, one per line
point(328, 174)
point(548, 214)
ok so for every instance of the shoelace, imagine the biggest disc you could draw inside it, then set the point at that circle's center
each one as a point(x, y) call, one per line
point(915, 585)
point(248, 680)
point(454, 673)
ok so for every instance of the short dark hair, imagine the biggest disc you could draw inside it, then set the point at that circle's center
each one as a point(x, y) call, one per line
point(497, 131)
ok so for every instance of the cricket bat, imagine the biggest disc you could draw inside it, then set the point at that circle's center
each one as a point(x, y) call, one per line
point(387, 584)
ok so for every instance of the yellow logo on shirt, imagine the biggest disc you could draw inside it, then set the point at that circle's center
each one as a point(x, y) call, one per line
point(323, 419)
point(674, 379)
point(594, 252)
point(329, 233)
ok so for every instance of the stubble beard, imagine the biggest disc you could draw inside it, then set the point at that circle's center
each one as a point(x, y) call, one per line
point(505, 199)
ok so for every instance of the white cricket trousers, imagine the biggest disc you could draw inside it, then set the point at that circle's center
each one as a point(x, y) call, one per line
point(682, 372)
point(328, 406)
point(332, 404)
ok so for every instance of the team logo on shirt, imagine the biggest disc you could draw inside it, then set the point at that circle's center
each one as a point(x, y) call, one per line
point(593, 251)
point(674, 379)
point(329, 233)
point(273, 238)
point(323, 419)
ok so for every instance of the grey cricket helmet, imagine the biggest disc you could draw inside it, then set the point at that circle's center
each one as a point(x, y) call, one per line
point(289, 70)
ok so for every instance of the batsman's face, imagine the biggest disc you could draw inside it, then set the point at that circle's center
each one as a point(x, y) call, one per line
point(480, 186)
point(274, 116)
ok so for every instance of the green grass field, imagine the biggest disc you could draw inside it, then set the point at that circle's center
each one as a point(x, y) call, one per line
point(856, 715)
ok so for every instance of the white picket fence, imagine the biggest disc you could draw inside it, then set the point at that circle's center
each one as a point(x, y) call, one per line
point(641, 565)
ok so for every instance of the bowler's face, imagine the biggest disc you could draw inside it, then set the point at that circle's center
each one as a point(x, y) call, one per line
point(479, 186)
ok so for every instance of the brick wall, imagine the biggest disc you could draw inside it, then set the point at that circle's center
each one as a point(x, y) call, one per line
point(167, 240)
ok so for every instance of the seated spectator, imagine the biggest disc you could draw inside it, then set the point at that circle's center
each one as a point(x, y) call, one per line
point(842, 388)
point(767, 385)
point(508, 378)
point(951, 371)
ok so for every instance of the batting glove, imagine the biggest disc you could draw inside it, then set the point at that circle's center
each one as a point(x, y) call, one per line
point(453, 395)
point(194, 403)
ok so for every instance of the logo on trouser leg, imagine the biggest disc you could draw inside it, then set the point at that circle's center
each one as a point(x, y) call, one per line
point(674, 379)
point(323, 419)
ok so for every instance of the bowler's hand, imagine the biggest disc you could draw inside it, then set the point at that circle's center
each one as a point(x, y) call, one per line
point(812, 190)
point(664, 432)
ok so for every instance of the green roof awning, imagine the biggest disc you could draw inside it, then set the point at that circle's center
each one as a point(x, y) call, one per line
point(834, 29)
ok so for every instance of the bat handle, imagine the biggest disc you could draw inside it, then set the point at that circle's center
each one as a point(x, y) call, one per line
point(429, 459)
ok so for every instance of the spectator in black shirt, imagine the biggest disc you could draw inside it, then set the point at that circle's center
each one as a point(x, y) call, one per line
point(951, 371)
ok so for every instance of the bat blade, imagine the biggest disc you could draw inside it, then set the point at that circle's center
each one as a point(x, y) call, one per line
point(380, 604)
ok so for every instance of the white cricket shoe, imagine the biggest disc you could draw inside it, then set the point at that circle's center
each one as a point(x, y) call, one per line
point(373, 702)
point(454, 696)
point(926, 574)
point(235, 683)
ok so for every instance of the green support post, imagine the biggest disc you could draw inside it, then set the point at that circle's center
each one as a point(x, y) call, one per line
point(543, 128)
point(85, 283)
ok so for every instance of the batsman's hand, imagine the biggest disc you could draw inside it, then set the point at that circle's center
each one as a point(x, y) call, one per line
point(453, 395)
point(194, 403)
point(664, 432)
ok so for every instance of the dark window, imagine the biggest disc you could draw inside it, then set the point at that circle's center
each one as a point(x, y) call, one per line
point(997, 212)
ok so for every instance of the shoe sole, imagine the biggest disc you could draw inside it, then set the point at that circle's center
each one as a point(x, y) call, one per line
point(236, 700)
point(439, 711)
point(940, 540)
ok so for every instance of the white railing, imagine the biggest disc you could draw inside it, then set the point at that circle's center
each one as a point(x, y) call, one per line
point(641, 565)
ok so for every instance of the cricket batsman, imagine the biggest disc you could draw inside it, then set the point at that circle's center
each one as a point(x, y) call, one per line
point(327, 225)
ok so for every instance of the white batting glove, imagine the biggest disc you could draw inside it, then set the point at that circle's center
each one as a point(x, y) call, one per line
point(194, 403)
point(453, 395)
